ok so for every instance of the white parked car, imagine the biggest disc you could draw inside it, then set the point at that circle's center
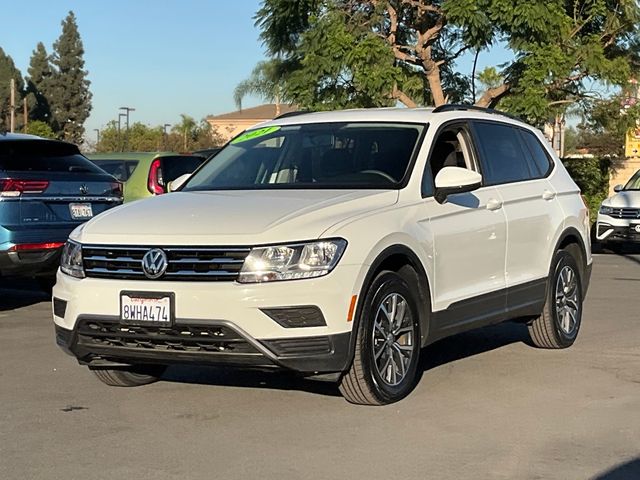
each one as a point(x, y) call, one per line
point(333, 242)
point(619, 216)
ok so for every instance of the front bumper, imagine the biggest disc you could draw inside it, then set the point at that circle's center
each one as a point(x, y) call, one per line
point(103, 342)
point(216, 323)
point(610, 229)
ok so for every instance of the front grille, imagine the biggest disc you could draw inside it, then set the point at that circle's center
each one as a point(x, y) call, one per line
point(625, 212)
point(178, 338)
point(185, 263)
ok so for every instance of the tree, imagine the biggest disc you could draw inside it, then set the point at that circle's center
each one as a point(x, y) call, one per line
point(8, 71)
point(264, 81)
point(143, 138)
point(558, 49)
point(41, 129)
point(39, 85)
point(70, 100)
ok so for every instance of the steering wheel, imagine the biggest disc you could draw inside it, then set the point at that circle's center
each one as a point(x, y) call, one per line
point(382, 174)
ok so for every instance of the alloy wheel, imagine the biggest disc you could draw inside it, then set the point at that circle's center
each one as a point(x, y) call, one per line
point(394, 336)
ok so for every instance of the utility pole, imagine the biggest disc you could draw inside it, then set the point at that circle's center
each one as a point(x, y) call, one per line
point(164, 135)
point(97, 130)
point(25, 112)
point(127, 109)
point(12, 105)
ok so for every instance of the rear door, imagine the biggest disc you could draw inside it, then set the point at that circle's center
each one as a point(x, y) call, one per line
point(515, 163)
point(50, 184)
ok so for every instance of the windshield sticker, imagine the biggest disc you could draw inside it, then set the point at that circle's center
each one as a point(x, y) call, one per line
point(250, 135)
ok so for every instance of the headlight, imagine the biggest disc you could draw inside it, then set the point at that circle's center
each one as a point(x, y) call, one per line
point(71, 262)
point(288, 262)
point(606, 210)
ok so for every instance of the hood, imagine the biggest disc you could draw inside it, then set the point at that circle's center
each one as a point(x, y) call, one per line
point(627, 199)
point(243, 217)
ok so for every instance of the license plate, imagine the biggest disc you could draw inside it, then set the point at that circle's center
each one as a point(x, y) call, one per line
point(146, 308)
point(80, 210)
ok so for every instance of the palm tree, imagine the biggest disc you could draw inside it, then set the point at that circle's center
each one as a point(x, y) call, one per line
point(264, 81)
point(185, 128)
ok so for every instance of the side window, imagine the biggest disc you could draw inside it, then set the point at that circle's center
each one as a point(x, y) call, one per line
point(539, 155)
point(501, 154)
point(450, 149)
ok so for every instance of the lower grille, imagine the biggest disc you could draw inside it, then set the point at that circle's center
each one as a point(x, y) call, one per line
point(178, 338)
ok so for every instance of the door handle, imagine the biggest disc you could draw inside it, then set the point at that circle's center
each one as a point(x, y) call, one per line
point(494, 204)
point(548, 195)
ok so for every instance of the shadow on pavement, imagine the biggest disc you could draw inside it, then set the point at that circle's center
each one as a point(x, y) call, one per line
point(472, 343)
point(18, 293)
point(626, 471)
point(442, 352)
point(227, 377)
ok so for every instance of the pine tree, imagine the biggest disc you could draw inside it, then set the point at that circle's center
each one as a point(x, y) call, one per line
point(9, 71)
point(70, 100)
point(39, 84)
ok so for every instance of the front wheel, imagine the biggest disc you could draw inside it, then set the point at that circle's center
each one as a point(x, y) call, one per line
point(129, 377)
point(387, 347)
point(559, 323)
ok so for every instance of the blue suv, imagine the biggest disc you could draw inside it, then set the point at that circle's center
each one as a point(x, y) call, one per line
point(47, 188)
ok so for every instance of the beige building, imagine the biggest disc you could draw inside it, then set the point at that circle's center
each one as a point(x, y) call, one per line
point(228, 125)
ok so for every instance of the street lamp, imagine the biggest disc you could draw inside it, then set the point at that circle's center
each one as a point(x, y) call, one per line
point(164, 135)
point(127, 109)
point(120, 145)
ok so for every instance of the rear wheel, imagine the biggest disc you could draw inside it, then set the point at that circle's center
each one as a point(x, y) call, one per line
point(129, 377)
point(387, 348)
point(559, 323)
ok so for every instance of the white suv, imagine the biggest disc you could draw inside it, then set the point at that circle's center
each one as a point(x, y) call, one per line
point(619, 215)
point(333, 242)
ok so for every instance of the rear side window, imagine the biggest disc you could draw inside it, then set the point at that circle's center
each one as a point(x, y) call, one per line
point(43, 156)
point(502, 157)
point(120, 169)
point(175, 165)
point(540, 157)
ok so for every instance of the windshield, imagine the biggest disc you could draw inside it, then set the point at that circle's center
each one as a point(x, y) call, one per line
point(634, 182)
point(326, 155)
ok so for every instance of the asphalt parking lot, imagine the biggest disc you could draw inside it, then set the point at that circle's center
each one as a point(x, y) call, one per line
point(488, 406)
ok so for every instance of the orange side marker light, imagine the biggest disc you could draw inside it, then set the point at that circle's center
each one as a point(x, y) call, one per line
point(352, 308)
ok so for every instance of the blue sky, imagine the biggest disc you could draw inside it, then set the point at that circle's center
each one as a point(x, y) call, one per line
point(163, 58)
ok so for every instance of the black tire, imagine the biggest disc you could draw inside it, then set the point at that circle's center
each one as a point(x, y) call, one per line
point(129, 377)
point(553, 328)
point(363, 384)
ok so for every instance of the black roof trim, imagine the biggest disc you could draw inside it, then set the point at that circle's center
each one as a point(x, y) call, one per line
point(292, 114)
point(450, 107)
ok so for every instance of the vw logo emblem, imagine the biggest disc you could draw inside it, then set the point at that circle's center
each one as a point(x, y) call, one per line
point(154, 263)
point(84, 189)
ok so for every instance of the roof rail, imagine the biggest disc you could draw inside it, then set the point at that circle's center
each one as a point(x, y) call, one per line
point(450, 107)
point(292, 114)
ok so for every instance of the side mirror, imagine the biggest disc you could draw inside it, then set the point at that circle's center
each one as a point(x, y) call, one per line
point(452, 180)
point(618, 188)
point(174, 185)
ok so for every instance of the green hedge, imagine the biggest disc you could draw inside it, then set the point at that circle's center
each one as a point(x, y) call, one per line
point(592, 176)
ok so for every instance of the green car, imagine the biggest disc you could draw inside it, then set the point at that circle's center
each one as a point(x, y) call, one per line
point(144, 174)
